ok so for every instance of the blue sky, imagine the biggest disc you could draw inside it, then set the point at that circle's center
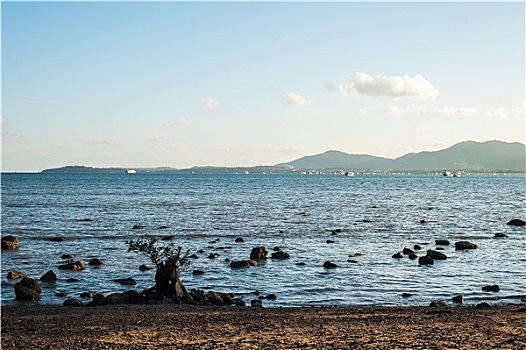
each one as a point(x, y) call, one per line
point(181, 84)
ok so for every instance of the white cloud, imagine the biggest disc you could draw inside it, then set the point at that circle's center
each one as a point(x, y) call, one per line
point(395, 111)
point(179, 121)
point(455, 111)
point(211, 103)
point(498, 113)
point(395, 87)
point(295, 99)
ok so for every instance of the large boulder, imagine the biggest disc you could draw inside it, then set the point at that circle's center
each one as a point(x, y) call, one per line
point(95, 262)
point(72, 302)
point(9, 243)
point(258, 253)
point(464, 245)
point(74, 266)
point(27, 289)
point(126, 281)
point(514, 222)
point(329, 265)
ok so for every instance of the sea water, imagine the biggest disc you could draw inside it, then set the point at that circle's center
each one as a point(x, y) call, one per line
point(377, 216)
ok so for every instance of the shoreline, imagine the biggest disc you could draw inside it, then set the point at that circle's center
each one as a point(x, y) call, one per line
point(171, 326)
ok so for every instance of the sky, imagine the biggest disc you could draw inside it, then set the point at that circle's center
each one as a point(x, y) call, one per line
point(183, 84)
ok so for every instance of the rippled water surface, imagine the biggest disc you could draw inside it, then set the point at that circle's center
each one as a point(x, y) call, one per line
point(378, 215)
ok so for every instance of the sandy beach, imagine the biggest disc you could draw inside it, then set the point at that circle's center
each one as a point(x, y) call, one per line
point(173, 326)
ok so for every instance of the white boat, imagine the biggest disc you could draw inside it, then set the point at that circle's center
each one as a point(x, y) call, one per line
point(349, 173)
point(131, 171)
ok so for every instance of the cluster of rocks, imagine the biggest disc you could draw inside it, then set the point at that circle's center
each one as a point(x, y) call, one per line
point(149, 296)
point(432, 255)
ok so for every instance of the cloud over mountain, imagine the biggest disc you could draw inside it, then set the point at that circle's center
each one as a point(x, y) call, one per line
point(393, 87)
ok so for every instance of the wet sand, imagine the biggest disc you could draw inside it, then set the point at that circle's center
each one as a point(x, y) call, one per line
point(173, 326)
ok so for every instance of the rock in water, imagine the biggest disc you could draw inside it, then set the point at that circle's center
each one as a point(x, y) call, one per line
point(494, 288)
point(27, 289)
point(436, 255)
point(426, 260)
point(517, 222)
point(10, 243)
point(75, 266)
point(280, 255)
point(258, 253)
point(49, 276)
point(464, 245)
point(329, 265)
point(14, 275)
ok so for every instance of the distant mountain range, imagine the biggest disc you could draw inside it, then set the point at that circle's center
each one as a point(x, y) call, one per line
point(494, 156)
point(467, 156)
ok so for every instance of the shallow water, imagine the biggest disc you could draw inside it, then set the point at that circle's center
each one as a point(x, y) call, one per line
point(378, 214)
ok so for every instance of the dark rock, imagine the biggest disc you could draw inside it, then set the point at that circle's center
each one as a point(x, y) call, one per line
point(227, 260)
point(439, 248)
point(517, 222)
point(58, 239)
point(423, 221)
point(67, 256)
point(271, 297)
point(253, 263)
point(436, 255)
point(397, 256)
point(87, 295)
point(240, 264)
point(280, 255)
point(258, 253)
point(193, 256)
point(213, 256)
point(329, 241)
point(459, 299)
point(62, 293)
point(352, 261)
point(417, 247)
point(442, 242)
point(494, 288)
point(463, 245)
point(483, 306)
point(137, 227)
point(201, 251)
point(74, 266)
point(95, 262)
point(412, 256)
point(144, 268)
point(125, 281)
point(256, 303)
point(168, 238)
point(407, 251)
point(240, 240)
point(329, 265)
point(197, 272)
point(115, 298)
point(301, 264)
point(164, 227)
point(72, 280)
point(276, 249)
point(214, 298)
point(72, 302)
point(85, 220)
point(14, 275)
point(10, 243)
point(425, 260)
point(255, 292)
point(27, 289)
point(239, 302)
point(49, 276)
point(407, 295)
point(500, 235)
point(437, 303)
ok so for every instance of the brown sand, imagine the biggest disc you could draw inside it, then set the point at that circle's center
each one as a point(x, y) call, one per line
point(187, 327)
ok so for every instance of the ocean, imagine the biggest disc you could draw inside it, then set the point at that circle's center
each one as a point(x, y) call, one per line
point(374, 216)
